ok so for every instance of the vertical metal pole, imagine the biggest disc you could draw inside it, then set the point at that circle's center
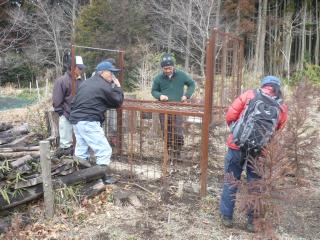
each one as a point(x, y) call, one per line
point(73, 88)
point(141, 135)
point(46, 178)
point(73, 77)
point(207, 113)
point(165, 147)
point(131, 139)
point(119, 111)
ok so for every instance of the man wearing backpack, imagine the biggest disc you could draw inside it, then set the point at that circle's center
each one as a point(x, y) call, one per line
point(269, 99)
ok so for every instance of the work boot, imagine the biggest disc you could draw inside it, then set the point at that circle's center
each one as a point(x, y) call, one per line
point(63, 152)
point(227, 222)
point(107, 178)
point(105, 168)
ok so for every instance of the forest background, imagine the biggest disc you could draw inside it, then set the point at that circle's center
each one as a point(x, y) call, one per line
point(281, 36)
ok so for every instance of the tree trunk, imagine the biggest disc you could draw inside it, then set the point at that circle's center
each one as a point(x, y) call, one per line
point(217, 22)
point(316, 49)
point(169, 40)
point(188, 44)
point(256, 58)
point(303, 36)
point(263, 37)
point(238, 19)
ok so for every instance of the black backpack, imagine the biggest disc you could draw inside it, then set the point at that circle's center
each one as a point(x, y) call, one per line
point(257, 124)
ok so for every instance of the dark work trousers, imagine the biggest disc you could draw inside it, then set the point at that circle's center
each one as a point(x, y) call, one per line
point(175, 131)
point(233, 164)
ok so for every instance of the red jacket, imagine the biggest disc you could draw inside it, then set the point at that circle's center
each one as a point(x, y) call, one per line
point(238, 105)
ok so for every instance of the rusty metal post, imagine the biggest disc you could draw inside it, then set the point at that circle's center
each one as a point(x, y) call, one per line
point(141, 134)
point(131, 139)
point(73, 88)
point(207, 112)
point(119, 111)
point(165, 147)
point(73, 77)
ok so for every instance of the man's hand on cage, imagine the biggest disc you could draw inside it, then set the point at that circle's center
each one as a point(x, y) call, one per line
point(163, 98)
point(184, 99)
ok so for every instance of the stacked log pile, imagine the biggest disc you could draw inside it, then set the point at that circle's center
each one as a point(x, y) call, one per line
point(20, 173)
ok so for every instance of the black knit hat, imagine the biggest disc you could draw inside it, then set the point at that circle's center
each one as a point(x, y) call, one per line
point(167, 60)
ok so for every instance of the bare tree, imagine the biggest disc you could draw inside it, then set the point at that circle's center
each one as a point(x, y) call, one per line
point(316, 51)
point(261, 35)
point(194, 27)
point(303, 35)
point(49, 26)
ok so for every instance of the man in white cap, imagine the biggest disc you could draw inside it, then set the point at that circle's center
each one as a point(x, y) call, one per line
point(61, 100)
point(99, 93)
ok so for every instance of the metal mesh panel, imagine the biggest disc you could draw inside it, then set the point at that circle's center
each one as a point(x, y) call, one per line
point(153, 140)
point(152, 145)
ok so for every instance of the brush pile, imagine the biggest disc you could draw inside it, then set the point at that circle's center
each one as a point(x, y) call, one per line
point(20, 173)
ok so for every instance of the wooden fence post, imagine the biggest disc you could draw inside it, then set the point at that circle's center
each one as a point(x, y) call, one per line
point(46, 177)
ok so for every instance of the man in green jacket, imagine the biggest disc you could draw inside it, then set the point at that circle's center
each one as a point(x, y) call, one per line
point(170, 86)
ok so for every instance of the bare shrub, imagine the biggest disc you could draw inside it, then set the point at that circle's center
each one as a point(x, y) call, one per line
point(301, 136)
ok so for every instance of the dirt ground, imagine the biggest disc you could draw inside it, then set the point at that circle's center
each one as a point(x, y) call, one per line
point(159, 212)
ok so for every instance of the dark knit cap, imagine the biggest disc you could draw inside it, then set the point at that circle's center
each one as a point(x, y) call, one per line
point(167, 60)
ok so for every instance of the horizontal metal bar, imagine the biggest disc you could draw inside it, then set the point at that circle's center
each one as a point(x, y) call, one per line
point(153, 110)
point(164, 103)
point(102, 49)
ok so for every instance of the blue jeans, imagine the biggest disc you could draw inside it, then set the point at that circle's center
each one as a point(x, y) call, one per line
point(91, 134)
point(234, 165)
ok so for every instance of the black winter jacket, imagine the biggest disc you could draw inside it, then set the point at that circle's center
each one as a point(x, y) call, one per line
point(61, 95)
point(93, 98)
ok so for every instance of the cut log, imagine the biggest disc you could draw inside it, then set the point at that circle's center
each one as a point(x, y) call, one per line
point(26, 196)
point(33, 154)
point(14, 132)
point(18, 149)
point(5, 126)
point(20, 161)
point(19, 141)
point(4, 140)
point(85, 175)
point(28, 182)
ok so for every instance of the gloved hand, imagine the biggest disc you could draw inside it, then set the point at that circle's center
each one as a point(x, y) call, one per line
point(164, 98)
point(60, 112)
point(184, 99)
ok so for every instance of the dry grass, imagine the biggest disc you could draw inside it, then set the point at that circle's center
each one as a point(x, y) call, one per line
point(10, 90)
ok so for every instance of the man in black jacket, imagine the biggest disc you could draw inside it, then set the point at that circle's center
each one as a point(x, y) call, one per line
point(97, 94)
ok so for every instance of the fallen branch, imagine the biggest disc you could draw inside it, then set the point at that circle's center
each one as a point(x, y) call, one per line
point(18, 141)
point(20, 161)
point(14, 132)
point(85, 175)
point(19, 149)
point(139, 186)
point(4, 140)
point(5, 126)
point(7, 155)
